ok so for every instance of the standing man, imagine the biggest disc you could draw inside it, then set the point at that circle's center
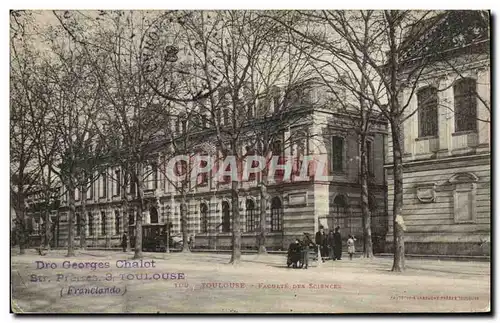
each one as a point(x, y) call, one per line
point(124, 242)
point(331, 244)
point(306, 243)
point(337, 238)
point(321, 241)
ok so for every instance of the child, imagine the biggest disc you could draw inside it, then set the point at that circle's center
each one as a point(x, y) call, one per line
point(350, 246)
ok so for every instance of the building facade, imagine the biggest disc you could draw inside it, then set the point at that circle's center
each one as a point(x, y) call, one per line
point(294, 206)
point(447, 157)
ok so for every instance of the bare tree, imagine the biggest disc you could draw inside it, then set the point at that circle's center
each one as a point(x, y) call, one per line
point(374, 47)
point(281, 93)
point(24, 60)
point(340, 76)
point(72, 101)
point(236, 56)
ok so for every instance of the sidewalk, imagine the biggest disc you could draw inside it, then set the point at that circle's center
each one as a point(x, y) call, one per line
point(359, 286)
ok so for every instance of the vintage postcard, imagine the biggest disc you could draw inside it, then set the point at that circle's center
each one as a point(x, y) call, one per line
point(250, 161)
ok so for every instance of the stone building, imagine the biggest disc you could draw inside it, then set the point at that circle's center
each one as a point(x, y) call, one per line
point(294, 206)
point(446, 157)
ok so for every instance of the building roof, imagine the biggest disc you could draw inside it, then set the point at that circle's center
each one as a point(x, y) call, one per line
point(447, 33)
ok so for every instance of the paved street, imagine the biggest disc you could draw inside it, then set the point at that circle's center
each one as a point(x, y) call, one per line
point(205, 283)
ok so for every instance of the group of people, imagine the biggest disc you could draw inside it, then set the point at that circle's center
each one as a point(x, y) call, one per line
point(330, 244)
point(330, 247)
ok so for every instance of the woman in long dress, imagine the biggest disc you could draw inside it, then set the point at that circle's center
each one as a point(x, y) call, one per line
point(350, 246)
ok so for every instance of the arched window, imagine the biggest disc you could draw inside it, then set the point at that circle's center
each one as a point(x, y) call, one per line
point(91, 224)
point(131, 218)
point(250, 216)
point(465, 105)
point(203, 218)
point(103, 223)
point(427, 100)
point(226, 222)
point(276, 215)
point(340, 211)
point(153, 215)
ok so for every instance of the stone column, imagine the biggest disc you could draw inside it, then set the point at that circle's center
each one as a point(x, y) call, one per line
point(483, 112)
point(445, 115)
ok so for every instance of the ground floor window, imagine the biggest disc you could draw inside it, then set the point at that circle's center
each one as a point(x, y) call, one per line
point(117, 222)
point(226, 220)
point(153, 215)
point(103, 223)
point(250, 216)
point(203, 218)
point(276, 215)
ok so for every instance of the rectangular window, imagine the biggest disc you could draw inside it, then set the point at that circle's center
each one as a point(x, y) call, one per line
point(465, 98)
point(154, 169)
point(226, 179)
point(103, 223)
point(276, 103)
point(117, 222)
point(118, 181)
point(132, 188)
point(337, 154)
point(204, 121)
point(203, 177)
point(427, 100)
point(90, 191)
point(103, 187)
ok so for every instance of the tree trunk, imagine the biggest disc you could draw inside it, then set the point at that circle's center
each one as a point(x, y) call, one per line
point(365, 210)
point(138, 221)
point(236, 237)
point(184, 225)
point(125, 212)
point(48, 228)
point(392, 19)
point(262, 218)
point(21, 226)
point(83, 221)
point(398, 223)
point(71, 216)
